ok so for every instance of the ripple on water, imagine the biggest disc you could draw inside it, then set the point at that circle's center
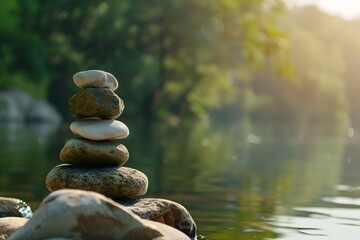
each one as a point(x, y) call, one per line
point(342, 200)
point(346, 188)
point(319, 223)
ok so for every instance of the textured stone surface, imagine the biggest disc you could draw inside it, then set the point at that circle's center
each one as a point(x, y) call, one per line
point(95, 79)
point(81, 151)
point(9, 225)
point(93, 129)
point(13, 207)
point(75, 214)
point(95, 102)
point(164, 211)
point(113, 182)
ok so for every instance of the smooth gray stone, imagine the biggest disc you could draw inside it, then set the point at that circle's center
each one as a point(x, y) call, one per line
point(96, 103)
point(76, 214)
point(94, 129)
point(163, 211)
point(95, 79)
point(113, 182)
point(13, 207)
point(86, 152)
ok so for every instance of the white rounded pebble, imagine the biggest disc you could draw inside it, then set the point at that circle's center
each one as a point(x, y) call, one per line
point(94, 129)
point(95, 79)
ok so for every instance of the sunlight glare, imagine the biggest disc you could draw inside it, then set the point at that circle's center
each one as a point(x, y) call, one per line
point(348, 9)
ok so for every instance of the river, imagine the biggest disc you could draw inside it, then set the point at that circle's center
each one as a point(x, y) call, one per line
point(245, 181)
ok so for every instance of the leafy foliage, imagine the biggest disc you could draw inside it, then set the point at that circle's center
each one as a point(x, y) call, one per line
point(186, 59)
point(172, 57)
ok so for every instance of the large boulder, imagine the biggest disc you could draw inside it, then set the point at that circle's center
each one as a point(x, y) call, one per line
point(18, 106)
point(76, 214)
point(14, 105)
point(42, 112)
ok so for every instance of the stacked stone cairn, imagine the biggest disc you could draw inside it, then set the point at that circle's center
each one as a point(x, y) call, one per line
point(93, 161)
point(93, 164)
point(92, 195)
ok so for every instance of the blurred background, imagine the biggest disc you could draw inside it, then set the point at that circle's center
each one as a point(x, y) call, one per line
point(244, 111)
point(178, 60)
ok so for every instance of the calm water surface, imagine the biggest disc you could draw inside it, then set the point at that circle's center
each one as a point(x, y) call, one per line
point(238, 182)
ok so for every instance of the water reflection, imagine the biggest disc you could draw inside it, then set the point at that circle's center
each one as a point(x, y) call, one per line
point(239, 182)
point(244, 176)
point(26, 152)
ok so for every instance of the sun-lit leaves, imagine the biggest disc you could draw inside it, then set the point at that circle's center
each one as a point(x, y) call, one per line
point(317, 94)
point(171, 57)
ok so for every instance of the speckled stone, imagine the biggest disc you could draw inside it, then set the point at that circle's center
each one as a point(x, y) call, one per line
point(95, 79)
point(81, 151)
point(113, 182)
point(96, 103)
point(13, 207)
point(163, 211)
point(94, 129)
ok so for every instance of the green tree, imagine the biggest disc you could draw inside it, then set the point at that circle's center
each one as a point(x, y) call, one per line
point(22, 51)
point(173, 59)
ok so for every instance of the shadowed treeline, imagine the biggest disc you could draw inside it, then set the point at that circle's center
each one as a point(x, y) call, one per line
point(187, 59)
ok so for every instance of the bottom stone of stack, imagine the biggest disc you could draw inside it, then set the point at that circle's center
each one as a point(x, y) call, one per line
point(113, 182)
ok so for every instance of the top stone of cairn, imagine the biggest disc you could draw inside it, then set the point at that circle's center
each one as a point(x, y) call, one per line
point(95, 79)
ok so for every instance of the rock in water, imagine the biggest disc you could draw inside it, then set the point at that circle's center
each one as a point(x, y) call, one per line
point(93, 129)
point(76, 214)
point(81, 151)
point(95, 79)
point(13, 207)
point(95, 102)
point(18, 106)
point(113, 182)
point(164, 211)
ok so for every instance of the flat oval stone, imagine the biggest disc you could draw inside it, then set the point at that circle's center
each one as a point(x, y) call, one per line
point(95, 79)
point(95, 102)
point(94, 129)
point(81, 151)
point(113, 182)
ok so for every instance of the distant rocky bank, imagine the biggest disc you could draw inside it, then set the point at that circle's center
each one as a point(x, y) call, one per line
point(19, 106)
